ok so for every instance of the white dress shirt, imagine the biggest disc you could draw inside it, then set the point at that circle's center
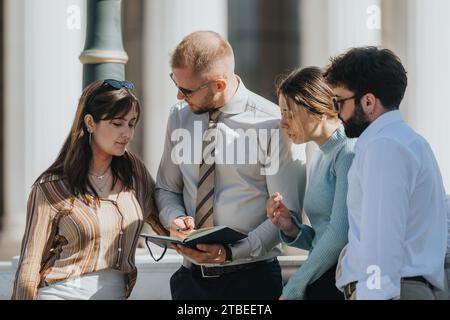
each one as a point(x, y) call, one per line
point(396, 209)
point(242, 185)
point(447, 201)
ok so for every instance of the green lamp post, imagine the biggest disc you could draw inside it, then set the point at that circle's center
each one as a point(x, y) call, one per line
point(103, 56)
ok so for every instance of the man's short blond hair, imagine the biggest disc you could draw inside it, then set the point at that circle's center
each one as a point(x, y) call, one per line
point(200, 51)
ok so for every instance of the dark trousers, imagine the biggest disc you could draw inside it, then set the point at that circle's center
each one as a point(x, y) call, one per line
point(324, 288)
point(262, 282)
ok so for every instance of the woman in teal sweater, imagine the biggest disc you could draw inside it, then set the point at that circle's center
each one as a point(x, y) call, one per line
point(306, 104)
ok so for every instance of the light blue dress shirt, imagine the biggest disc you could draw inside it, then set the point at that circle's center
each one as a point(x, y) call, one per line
point(396, 208)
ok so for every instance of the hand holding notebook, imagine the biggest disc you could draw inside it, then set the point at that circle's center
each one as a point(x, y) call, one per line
point(213, 235)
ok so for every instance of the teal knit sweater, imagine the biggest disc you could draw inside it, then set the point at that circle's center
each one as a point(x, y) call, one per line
point(326, 208)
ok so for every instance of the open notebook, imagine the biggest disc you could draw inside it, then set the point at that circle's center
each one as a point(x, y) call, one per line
point(213, 235)
point(218, 234)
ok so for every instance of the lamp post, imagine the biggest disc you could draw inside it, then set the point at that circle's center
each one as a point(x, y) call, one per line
point(103, 55)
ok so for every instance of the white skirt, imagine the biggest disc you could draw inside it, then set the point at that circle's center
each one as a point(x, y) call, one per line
point(107, 284)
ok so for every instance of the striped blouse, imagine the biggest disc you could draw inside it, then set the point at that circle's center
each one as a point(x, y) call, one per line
point(65, 238)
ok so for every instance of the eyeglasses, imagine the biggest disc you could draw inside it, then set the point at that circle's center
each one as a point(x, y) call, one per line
point(116, 84)
point(337, 102)
point(186, 92)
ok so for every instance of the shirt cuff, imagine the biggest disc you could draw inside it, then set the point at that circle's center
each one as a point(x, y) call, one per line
point(167, 216)
point(241, 250)
point(294, 291)
point(289, 240)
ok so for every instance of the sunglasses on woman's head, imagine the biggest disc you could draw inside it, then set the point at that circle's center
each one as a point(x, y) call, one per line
point(116, 84)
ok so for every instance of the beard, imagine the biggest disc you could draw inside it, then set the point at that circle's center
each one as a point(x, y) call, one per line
point(357, 123)
point(206, 105)
point(204, 110)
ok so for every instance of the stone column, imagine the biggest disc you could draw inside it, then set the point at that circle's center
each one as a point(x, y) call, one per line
point(420, 35)
point(428, 65)
point(165, 24)
point(43, 40)
point(330, 27)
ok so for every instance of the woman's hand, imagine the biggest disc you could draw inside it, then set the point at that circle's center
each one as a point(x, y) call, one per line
point(280, 216)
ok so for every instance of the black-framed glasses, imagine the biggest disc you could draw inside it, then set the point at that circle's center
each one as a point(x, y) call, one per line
point(186, 92)
point(337, 102)
point(115, 84)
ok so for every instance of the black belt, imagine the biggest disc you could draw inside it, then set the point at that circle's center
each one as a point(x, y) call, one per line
point(213, 272)
point(350, 288)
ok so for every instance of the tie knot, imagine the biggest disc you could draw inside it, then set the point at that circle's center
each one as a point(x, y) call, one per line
point(214, 115)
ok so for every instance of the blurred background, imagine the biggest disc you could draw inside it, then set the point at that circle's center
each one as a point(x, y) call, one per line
point(41, 75)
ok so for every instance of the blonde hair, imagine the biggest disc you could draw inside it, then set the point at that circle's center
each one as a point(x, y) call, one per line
point(308, 88)
point(201, 50)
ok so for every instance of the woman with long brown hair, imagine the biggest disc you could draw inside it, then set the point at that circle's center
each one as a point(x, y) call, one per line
point(85, 212)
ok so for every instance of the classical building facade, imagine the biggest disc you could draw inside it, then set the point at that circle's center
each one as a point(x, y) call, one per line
point(41, 77)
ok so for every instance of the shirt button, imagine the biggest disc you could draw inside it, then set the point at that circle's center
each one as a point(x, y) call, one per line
point(120, 249)
point(121, 232)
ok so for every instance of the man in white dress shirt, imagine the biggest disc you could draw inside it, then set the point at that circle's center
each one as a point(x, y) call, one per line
point(396, 198)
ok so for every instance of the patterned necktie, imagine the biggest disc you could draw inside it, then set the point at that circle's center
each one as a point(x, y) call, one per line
point(205, 186)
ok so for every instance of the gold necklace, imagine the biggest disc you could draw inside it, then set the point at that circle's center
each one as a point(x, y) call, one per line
point(100, 176)
point(101, 187)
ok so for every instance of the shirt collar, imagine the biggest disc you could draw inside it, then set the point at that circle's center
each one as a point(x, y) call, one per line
point(238, 103)
point(379, 124)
